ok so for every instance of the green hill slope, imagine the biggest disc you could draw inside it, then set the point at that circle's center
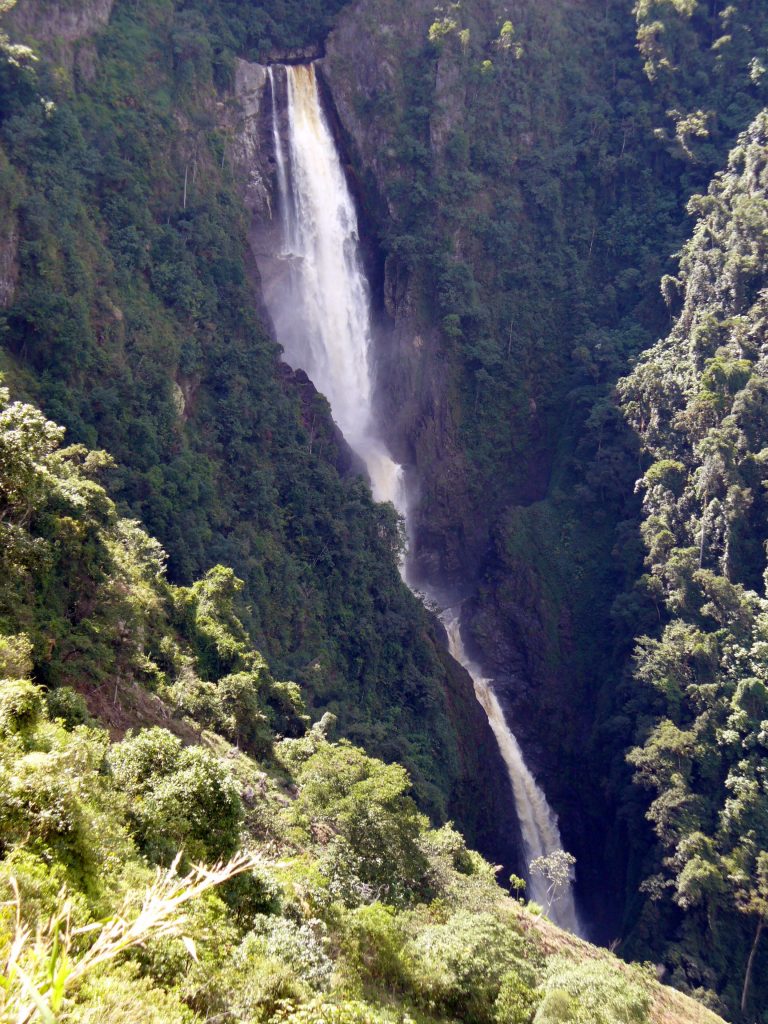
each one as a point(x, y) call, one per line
point(340, 905)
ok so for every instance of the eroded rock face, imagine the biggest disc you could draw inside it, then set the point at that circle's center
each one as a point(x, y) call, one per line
point(66, 21)
point(249, 148)
point(9, 267)
point(366, 63)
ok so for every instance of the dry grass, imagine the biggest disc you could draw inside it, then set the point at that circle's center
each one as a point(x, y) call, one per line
point(40, 969)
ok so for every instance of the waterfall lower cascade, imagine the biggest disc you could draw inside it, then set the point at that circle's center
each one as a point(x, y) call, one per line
point(322, 320)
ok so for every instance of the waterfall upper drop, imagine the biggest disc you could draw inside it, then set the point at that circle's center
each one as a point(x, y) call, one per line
point(322, 318)
point(320, 307)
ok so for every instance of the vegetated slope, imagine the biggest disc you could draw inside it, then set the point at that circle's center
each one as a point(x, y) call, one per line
point(699, 404)
point(528, 168)
point(348, 908)
point(129, 315)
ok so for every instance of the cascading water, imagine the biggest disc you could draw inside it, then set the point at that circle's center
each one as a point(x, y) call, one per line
point(538, 824)
point(321, 314)
point(324, 323)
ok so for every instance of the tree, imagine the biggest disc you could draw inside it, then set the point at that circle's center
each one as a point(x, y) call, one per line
point(557, 869)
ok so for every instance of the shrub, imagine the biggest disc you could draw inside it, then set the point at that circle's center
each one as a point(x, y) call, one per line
point(301, 946)
point(21, 706)
point(460, 965)
point(373, 942)
point(252, 893)
point(595, 992)
point(256, 986)
point(516, 1002)
point(181, 798)
point(15, 657)
point(121, 997)
point(67, 706)
point(362, 802)
point(322, 1011)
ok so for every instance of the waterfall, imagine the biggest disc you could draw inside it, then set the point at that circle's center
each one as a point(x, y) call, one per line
point(538, 823)
point(321, 313)
point(323, 322)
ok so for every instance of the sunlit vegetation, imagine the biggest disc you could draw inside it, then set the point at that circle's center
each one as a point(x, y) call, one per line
point(175, 875)
point(699, 402)
point(140, 727)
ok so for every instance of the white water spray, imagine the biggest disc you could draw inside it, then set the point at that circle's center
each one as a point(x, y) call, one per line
point(322, 319)
point(324, 323)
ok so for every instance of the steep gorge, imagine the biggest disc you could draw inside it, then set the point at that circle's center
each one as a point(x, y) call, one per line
point(526, 205)
point(136, 307)
point(521, 190)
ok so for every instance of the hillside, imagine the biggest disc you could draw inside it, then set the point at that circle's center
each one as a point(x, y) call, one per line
point(129, 316)
point(311, 923)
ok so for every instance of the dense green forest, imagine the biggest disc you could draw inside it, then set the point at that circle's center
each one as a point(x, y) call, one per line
point(698, 401)
point(538, 163)
point(545, 191)
point(109, 912)
point(133, 325)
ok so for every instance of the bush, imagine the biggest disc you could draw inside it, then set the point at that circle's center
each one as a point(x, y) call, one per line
point(593, 992)
point(21, 706)
point(39, 885)
point(256, 986)
point(460, 966)
point(40, 807)
point(250, 894)
point(67, 705)
point(301, 946)
point(373, 945)
point(181, 798)
point(15, 657)
point(516, 1002)
point(320, 1011)
point(120, 997)
point(362, 802)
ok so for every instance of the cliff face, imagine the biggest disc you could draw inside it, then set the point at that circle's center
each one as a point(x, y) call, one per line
point(479, 525)
point(503, 161)
point(9, 267)
point(481, 802)
point(60, 21)
point(61, 29)
point(369, 59)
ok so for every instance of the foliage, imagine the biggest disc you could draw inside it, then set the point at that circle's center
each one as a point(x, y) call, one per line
point(697, 401)
point(133, 325)
point(180, 798)
point(530, 223)
point(592, 992)
point(557, 870)
point(337, 902)
point(41, 969)
point(359, 807)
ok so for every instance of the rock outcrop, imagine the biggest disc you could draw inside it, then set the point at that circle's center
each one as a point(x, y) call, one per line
point(62, 29)
point(366, 65)
point(9, 267)
point(61, 21)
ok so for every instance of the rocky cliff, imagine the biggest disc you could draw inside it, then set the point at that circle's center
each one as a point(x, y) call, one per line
point(370, 58)
point(61, 29)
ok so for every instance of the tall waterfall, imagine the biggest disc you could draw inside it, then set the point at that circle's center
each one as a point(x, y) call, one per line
point(322, 319)
point(324, 322)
